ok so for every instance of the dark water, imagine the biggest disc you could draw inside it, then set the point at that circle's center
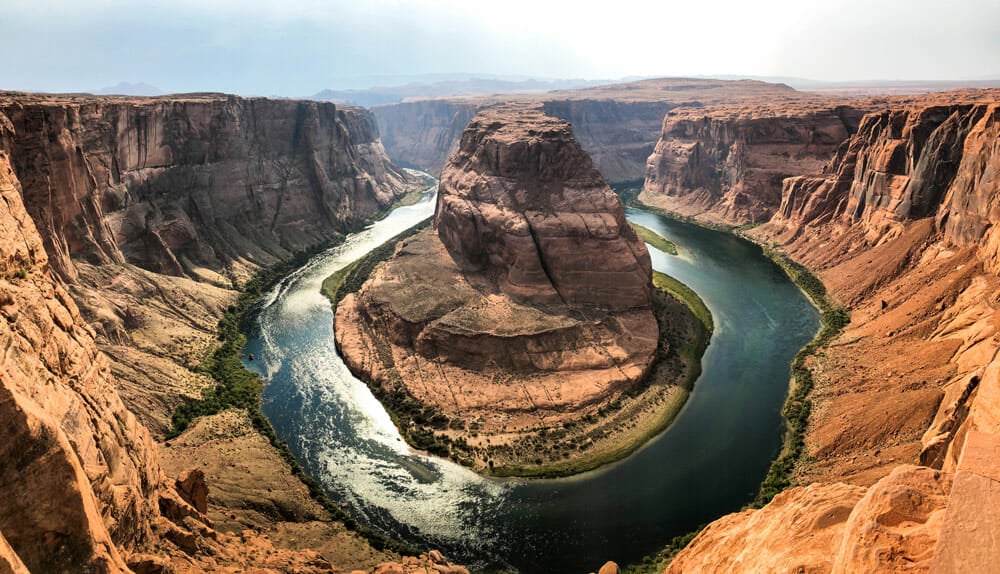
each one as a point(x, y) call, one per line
point(708, 463)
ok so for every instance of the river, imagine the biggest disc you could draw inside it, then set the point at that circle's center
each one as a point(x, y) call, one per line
point(708, 463)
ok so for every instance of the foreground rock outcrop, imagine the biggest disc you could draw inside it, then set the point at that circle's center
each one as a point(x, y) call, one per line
point(528, 305)
point(80, 474)
point(890, 527)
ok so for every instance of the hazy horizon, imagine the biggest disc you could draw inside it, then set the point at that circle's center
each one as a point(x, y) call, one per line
point(300, 47)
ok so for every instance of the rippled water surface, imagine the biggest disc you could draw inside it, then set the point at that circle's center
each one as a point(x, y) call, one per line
point(709, 462)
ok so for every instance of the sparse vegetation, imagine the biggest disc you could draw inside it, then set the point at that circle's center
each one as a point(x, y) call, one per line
point(685, 295)
point(655, 239)
point(352, 277)
point(565, 451)
point(656, 563)
point(236, 387)
point(798, 406)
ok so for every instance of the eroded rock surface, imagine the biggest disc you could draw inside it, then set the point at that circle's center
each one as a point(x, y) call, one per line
point(821, 528)
point(896, 227)
point(618, 124)
point(155, 209)
point(148, 213)
point(727, 163)
point(529, 302)
point(80, 474)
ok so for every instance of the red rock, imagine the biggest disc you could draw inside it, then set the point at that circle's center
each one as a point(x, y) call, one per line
point(522, 198)
point(203, 179)
point(529, 301)
point(192, 488)
point(76, 461)
point(891, 527)
point(729, 161)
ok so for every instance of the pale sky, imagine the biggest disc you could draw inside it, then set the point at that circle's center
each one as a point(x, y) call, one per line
point(298, 47)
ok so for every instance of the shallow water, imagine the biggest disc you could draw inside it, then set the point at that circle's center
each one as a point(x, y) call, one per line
point(708, 463)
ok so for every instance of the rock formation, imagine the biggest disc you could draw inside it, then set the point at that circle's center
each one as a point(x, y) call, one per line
point(173, 202)
point(729, 161)
point(890, 527)
point(528, 304)
point(149, 212)
point(898, 225)
point(174, 185)
point(617, 125)
point(913, 190)
point(80, 474)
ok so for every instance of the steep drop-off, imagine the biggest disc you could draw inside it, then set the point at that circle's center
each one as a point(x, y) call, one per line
point(80, 476)
point(173, 185)
point(154, 210)
point(528, 305)
point(727, 162)
point(617, 125)
point(149, 213)
point(898, 226)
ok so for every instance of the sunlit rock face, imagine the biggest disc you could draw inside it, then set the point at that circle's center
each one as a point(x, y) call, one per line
point(529, 299)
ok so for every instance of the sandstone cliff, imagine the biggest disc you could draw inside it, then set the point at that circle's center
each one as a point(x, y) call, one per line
point(154, 209)
point(423, 134)
point(174, 185)
point(80, 475)
point(898, 226)
point(913, 190)
point(149, 213)
point(617, 125)
point(728, 162)
point(528, 305)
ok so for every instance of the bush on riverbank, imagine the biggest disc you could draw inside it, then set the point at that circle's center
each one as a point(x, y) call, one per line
point(236, 387)
point(798, 406)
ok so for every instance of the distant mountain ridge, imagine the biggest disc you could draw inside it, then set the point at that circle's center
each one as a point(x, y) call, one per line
point(449, 88)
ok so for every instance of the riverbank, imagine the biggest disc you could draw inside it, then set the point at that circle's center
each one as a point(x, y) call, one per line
point(604, 433)
point(797, 407)
point(237, 393)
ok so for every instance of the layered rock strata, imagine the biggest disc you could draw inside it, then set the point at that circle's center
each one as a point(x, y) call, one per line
point(80, 474)
point(904, 213)
point(148, 212)
point(618, 124)
point(728, 162)
point(529, 302)
point(173, 185)
point(898, 226)
point(155, 209)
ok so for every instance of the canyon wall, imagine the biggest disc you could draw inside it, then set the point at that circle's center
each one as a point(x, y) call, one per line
point(423, 134)
point(727, 162)
point(126, 224)
point(80, 476)
point(618, 135)
point(155, 209)
point(898, 225)
point(915, 189)
point(617, 125)
point(173, 185)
